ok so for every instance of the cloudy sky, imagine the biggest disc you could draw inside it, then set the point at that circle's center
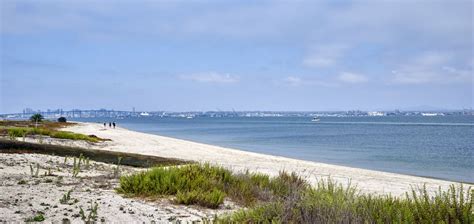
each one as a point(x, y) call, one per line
point(242, 55)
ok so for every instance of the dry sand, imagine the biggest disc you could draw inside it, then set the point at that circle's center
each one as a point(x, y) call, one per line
point(23, 196)
point(368, 181)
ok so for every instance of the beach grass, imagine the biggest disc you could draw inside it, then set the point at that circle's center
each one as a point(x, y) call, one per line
point(287, 198)
point(207, 185)
point(18, 132)
point(105, 156)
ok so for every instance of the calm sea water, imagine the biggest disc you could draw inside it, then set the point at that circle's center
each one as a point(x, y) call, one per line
point(439, 147)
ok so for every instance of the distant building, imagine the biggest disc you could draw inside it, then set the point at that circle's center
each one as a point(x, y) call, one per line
point(375, 113)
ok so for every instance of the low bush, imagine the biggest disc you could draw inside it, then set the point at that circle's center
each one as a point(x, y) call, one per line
point(36, 218)
point(205, 185)
point(71, 135)
point(15, 132)
point(62, 120)
point(210, 199)
point(332, 203)
point(287, 198)
point(36, 118)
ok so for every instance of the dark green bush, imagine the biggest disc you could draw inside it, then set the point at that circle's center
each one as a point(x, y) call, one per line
point(36, 118)
point(36, 218)
point(210, 199)
point(62, 119)
point(288, 198)
point(332, 203)
point(205, 185)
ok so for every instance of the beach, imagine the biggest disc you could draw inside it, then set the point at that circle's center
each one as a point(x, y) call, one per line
point(367, 181)
point(24, 196)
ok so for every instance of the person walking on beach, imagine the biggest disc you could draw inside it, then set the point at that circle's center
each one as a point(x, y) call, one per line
point(105, 125)
point(110, 124)
point(113, 124)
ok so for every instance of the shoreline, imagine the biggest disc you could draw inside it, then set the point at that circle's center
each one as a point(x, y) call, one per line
point(293, 158)
point(367, 181)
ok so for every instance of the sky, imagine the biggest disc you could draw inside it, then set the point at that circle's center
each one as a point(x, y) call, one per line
point(241, 55)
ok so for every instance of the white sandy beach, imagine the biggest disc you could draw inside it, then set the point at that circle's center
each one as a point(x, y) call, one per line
point(368, 181)
point(94, 184)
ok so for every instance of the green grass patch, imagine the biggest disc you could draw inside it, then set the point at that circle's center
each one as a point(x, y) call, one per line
point(17, 132)
point(329, 202)
point(208, 185)
point(111, 157)
point(288, 198)
point(36, 218)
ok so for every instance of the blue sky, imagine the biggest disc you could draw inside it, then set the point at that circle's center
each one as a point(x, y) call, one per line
point(242, 55)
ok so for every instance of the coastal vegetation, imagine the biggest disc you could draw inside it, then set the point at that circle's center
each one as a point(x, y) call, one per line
point(288, 198)
point(62, 119)
point(110, 157)
point(54, 194)
point(36, 118)
point(22, 129)
point(18, 132)
point(37, 218)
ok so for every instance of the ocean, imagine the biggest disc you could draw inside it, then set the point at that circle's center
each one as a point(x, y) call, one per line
point(437, 147)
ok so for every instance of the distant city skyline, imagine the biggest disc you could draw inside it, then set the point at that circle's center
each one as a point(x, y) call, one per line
point(118, 114)
point(133, 110)
point(240, 55)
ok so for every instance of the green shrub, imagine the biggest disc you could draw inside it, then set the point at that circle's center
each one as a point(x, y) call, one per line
point(211, 199)
point(208, 185)
point(22, 182)
point(72, 136)
point(267, 213)
point(36, 118)
point(187, 197)
point(332, 203)
point(36, 218)
point(15, 132)
point(192, 184)
point(287, 198)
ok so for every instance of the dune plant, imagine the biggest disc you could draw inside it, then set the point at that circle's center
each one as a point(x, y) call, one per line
point(87, 162)
point(329, 202)
point(34, 172)
point(117, 168)
point(14, 133)
point(66, 197)
point(49, 172)
point(36, 218)
point(17, 132)
point(206, 185)
point(92, 216)
point(76, 167)
point(287, 198)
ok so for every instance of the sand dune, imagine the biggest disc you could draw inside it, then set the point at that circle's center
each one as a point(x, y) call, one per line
point(368, 181)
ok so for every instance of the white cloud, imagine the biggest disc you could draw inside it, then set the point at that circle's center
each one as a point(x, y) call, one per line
point(354, 78)
point(430, 67)
point(210, 77)
point(324, 56)
point(293, 81)
point(298, 81)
